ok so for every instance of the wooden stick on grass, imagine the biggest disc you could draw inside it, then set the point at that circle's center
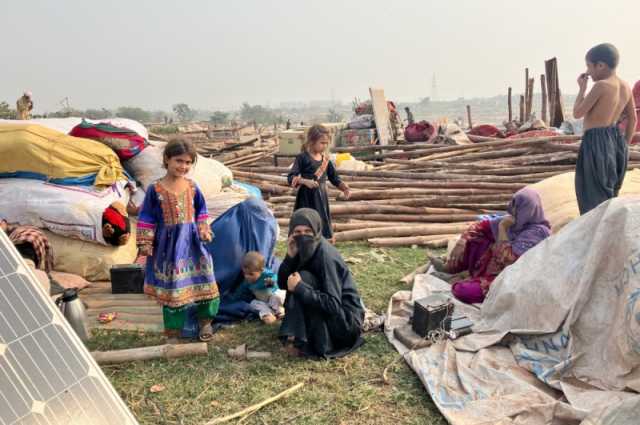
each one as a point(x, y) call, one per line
point(257, 406)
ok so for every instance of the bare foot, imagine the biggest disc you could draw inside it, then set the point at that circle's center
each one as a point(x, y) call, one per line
point(439, 264)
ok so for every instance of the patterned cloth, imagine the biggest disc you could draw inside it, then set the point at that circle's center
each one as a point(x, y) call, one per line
point(484, 259)
point(179, 270)
point(531, 225)
point(34, 236)
point(485, 256)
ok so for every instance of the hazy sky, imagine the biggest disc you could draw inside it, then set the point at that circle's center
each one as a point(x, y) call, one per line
point(216, 54)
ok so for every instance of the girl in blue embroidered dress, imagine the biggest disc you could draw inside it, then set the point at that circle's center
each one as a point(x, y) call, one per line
point(172, 226)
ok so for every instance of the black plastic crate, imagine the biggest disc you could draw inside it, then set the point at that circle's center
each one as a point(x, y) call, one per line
point(127, 279)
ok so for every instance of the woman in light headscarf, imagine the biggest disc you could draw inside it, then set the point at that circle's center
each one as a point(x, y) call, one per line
point(324, 313)
point(489, 246)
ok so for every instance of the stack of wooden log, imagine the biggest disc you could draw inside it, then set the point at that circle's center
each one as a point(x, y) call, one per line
point(424, 194)
point(246, 151)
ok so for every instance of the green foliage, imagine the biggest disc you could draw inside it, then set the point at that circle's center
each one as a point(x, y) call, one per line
point(257, 113)
point(133, 113)
point(165, 129)
point(184, 112)
point(66, 112)
point(97, 114)
point(219, 117)
point(6, 113)
point(344, 391)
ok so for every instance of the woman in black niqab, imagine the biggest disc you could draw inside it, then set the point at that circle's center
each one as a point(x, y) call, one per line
point(324, 313)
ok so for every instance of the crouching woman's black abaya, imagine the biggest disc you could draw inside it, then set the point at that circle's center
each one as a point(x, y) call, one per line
point(324, 314)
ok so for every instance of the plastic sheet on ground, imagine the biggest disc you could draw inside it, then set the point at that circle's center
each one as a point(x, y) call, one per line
point(557, 341)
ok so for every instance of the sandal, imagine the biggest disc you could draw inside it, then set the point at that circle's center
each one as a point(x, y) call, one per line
point(172, 336)
point(206, 332)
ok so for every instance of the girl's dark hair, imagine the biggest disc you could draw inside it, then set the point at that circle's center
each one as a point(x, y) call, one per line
point(177, 148)
point(315, 133)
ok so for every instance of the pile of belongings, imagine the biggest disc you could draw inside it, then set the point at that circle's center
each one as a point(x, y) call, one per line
point(83, 191)
point(512, 130)
point(437, 133)
point(557, 340)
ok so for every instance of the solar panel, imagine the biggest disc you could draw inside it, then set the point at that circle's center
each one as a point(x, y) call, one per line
point(47, 376)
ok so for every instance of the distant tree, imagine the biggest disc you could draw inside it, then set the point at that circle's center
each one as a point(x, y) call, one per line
point(334, 116)
point(159, 116)
point(98, 114)
point(66, 113)
point(6, 113)
point(184, 112)
point(257, 113)
point(219, 117)
point(133, 113)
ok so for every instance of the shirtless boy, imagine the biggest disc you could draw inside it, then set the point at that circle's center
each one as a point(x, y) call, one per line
point(602, 160)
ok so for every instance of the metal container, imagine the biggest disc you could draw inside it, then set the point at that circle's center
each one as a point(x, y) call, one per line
point(432, 313)
point(73, 310)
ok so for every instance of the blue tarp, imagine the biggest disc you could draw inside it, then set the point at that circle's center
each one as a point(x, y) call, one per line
point(253, 190)
point(248, 226)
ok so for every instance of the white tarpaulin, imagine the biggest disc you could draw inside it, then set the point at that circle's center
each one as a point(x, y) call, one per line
point(557, 341)
point(70, 211)
point(210, 175)
point(65, 125)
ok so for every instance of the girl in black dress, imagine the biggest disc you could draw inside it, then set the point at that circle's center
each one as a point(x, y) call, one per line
point(309, 174)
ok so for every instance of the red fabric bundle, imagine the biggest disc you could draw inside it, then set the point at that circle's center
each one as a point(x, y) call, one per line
point(419, 132)
point(125, 143)
point(486, 130)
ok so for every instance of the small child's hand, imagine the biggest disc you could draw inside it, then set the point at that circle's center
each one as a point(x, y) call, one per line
point(146, 250)
point(311, 184)
point(347, 193)
point(583, 79)
point(293, 281)
point(205, 236)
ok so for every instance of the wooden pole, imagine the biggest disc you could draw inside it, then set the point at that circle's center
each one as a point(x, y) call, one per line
point(522, 109)
point(408, 279)
point(167, 351)
point(530, 99)
point(469, 116)
point(543, 109)
point(510, 106)
point(556, 113)
point(436, 241)
point(399, 231)
point(526, 93)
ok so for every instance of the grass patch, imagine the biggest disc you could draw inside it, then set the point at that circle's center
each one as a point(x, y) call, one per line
point(344, 391)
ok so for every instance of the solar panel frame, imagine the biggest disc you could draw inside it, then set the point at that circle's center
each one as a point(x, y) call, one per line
point(47, 375)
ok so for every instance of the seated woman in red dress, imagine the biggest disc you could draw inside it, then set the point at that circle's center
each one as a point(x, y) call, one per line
point(489, 246)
